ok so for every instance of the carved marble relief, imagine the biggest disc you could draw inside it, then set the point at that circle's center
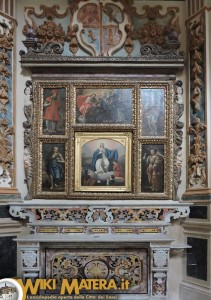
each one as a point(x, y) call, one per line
point(29, 258)
point(160, 258)
point(27, 125)
point(7, 28)
point(197, 171)
point(100, 29)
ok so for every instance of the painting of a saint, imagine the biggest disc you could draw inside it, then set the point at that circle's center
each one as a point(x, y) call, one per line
point(103, 163)
point(53, 171)
point(104, 106)
point(153, 112)
point(54, 111)
point(152, 169)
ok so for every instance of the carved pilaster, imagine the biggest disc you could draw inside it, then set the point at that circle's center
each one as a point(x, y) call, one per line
point(7, 85)
point(197, 169)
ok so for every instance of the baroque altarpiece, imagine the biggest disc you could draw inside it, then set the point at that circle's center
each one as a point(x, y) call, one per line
point(103, 142)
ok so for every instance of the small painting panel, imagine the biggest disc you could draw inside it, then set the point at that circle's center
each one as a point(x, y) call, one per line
point(152, 168)
point(104, 105)
point(153, 111)
point(103, 162)
point(54, 110)
point(53, 167)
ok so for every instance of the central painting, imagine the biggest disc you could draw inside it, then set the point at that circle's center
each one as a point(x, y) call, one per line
point(108, 104)
point(104, 162)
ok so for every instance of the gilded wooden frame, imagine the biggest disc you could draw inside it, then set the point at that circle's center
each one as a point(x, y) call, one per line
point(131, 134)
point(57, 189)
point(95, 179)
point(123, 93)
point(155, 169)
point(61, 107)
point(167, 109)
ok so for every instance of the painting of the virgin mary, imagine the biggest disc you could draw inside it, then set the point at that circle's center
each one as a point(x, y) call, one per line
point(103, 163)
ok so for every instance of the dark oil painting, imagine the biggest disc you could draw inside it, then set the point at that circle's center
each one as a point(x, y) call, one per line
point(152, 168)
point(104, 105)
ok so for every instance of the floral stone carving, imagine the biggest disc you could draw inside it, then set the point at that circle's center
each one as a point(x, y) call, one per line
point(6, 127)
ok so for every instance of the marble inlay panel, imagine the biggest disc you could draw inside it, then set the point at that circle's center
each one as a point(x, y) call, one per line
point(116, 264)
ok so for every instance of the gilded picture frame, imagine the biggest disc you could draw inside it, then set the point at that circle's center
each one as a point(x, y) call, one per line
point(54, 109)
point(103, 161)
point(109, 104)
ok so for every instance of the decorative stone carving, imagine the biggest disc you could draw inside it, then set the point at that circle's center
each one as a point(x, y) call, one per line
point(197, 166)
point(196, 44)
point(100, 215)
point(21, 213)
point(114, 264)
point(178, 134)
point(160, 258)
point(28, 112)
point(6, 124)
point(102, 29)
point(159, 284)
point(29, 258)
point(197, 158)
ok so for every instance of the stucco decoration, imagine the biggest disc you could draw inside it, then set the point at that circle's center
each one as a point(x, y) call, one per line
point(178, 134)
point(7, 28)
point(27, 125)
point(197, 165)
point(103, 29)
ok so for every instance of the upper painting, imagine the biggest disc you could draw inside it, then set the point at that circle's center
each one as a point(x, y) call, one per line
point(54, 109)
point(153, 112)
point(101, 104)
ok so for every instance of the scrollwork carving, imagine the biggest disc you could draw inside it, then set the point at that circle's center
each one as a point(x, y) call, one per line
point(197, 157)
point(6, 128)
point(178, 134)
point(196, 44)
point(28, 112)
point(104, 36)
point(197, 170)
point(99, 215)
